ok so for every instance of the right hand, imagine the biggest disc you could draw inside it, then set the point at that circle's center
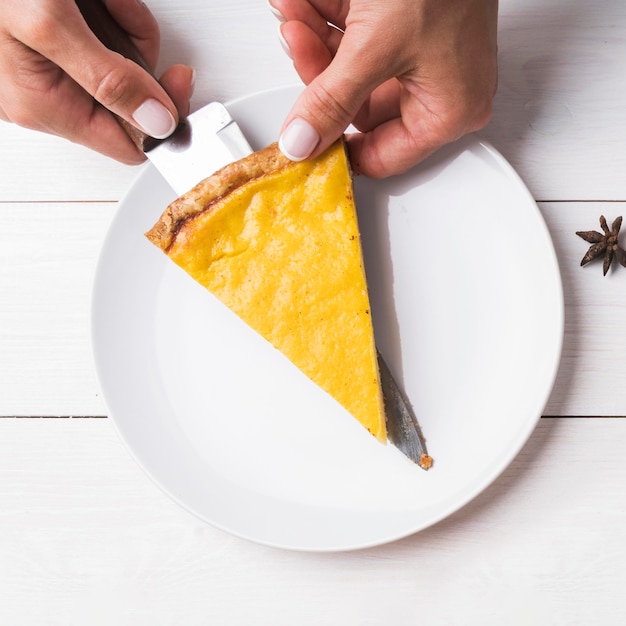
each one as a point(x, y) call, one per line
point(411, 75)
point(56, 77)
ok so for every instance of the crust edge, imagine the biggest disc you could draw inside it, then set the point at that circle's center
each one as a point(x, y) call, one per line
point(206, 192)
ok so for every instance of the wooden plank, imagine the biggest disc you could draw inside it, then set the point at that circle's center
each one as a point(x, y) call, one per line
point(592, 373)
point(41, 167)
point(46, 272)
point(45, 282)
point(86, 537)
point(558, 112)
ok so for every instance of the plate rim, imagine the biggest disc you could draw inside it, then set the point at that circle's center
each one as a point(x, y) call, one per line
point(496, 470)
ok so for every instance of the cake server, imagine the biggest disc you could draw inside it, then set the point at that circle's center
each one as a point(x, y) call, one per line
point(204, 142)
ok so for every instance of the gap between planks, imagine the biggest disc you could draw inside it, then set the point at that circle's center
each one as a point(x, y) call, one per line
point(55, 417)
point(100, 417)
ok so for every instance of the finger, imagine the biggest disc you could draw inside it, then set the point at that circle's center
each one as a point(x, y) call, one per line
point(310, 54)
point(323, 11)
point(386, 151)
point(397, 145)
point(311, 57)
point(179, 82)
point(304, 12)
point(36, 94)
point(136, 19)
point(331, 101)
point(69, 112)
point(120, 85)
point(382, 105)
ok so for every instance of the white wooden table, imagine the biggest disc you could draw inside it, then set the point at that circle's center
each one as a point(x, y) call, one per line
point(87, 538)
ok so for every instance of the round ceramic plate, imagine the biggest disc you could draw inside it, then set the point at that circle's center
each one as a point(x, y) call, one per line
point(468, 311)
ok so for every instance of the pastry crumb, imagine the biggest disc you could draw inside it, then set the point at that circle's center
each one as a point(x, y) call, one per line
point(426, 461)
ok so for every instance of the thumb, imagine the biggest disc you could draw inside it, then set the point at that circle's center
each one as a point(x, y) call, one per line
point(327, 106)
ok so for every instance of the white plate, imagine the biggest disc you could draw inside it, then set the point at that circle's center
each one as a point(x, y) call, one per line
point(468, 310)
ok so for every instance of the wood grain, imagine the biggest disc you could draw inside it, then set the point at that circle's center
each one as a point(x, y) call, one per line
point(48, 254)
point(592, 370)
point(558, 112)
point(86, 537)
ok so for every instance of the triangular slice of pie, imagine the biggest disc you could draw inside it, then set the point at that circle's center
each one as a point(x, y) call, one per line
point(278, 243)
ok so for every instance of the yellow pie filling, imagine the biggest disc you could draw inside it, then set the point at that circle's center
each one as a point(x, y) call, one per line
point(282, 250)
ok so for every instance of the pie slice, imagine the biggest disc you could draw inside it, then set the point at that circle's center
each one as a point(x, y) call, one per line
point(278, 243)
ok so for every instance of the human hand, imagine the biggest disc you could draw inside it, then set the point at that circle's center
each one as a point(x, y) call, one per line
point(410, 75)
point(56, 77)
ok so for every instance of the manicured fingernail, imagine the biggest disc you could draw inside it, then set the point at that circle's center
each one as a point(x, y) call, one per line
point(298, 140)
point(283, 42)
point(277, 14)
point(155, 119)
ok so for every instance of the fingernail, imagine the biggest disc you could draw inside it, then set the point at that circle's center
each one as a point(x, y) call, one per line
point(298, 140)
point(277, 14)
point(283, 42)
point(155, 119)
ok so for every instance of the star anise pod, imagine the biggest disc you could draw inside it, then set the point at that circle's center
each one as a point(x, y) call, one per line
point(604, 243)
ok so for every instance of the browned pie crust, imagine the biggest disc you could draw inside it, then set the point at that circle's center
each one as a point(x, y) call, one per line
point(207, 191)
